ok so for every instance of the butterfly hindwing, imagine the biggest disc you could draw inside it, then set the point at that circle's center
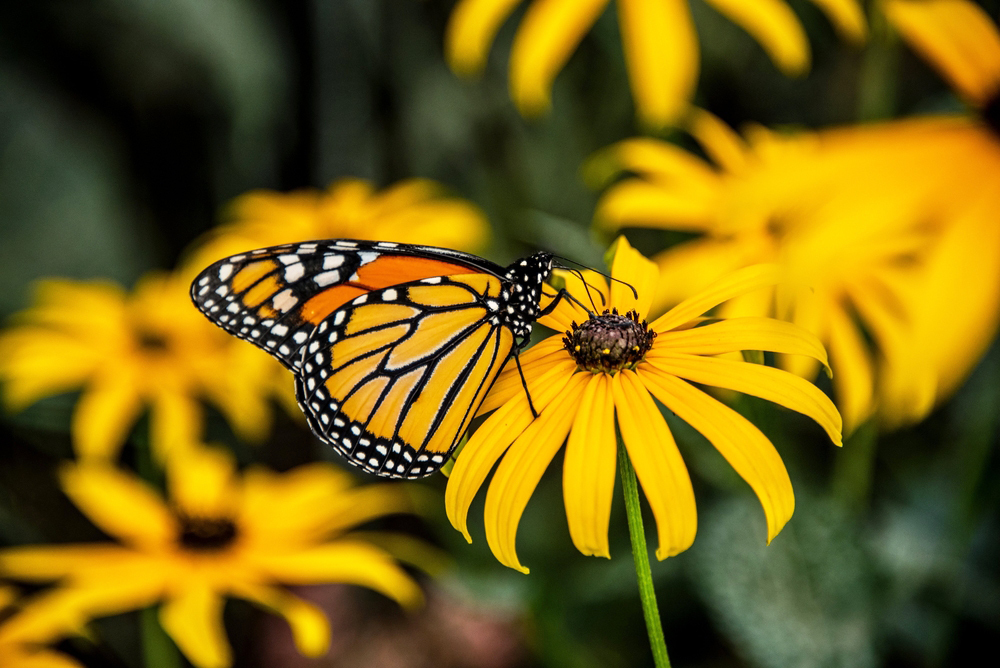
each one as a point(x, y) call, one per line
point(392, 379)
point(275, 297)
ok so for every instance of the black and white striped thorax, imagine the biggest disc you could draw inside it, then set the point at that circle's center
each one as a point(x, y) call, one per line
point(521, 294)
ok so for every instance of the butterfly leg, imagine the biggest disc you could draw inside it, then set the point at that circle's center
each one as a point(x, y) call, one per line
point(559, 296)
point(524, 383)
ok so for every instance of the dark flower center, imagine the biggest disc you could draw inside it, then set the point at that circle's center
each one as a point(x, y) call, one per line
point(609, 342)
point(151, 341)
point(991, 113)
point(206, 534)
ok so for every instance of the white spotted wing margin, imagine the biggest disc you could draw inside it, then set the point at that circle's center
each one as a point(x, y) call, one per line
point(257, 296)
point(394, 396)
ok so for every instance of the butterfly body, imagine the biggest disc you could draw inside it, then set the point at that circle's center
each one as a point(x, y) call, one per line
point(393, 346)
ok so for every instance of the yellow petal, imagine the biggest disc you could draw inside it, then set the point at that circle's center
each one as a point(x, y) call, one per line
point(743, 445)
point(175, 422)
point(635, 279)
point(652, 159)
point(522, 467)
point(351, 562)
point(724, 146)
point(661, 52)
point(59, 561)
point(493, 437)
point(104, 415)
point(688, 268)
point(471, 28)
point(193, 618)
point(737, 334)
point(773, 24)
point(855, 386)
point(634, 202)
point(658, 464)
point(202, 481)
point(956, 36)
point(847, 17)
point(310, 628)
point(549, 33)
point(589, 469)
point(737, 283)
point(121, 505)
point(781, 387)
point(36, 363)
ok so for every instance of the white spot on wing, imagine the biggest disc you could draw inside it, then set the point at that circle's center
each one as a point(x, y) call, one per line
point(225, 271)
point(327, 278)
point(285, 300)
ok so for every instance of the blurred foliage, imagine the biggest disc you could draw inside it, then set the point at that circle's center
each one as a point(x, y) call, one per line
point(127, 126)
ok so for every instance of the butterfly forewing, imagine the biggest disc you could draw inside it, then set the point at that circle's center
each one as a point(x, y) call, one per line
point(275, 297)
point(392, 379)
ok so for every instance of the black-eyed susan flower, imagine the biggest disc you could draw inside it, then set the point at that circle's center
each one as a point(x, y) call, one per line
point(410, 211)
point(26, 628)
point(607, 371)
point(128, 352)
point(659, 39)
point(218, 534)
point(886, 235)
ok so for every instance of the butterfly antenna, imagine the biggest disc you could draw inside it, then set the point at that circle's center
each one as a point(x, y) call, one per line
point(635, 293)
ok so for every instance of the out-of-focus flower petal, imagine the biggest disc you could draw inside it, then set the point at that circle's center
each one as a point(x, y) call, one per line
point(657, 463)
point(661, 52)
point(547, 36)
point(773, 24)
point(743, 445)
point(847, 17)
point(344, 561)
point(589, 468)
point(471, 28)
point(105, 413)
point(956, 36)
point(193, 618)
point(202, 482)
point(522, 467)
point(102, 492)
point(310, 628)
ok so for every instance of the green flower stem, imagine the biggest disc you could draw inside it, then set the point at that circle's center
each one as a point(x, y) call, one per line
point(157, 648)
point(640, 553)
point(855, 467)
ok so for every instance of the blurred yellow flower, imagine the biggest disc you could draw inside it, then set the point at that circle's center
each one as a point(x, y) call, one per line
point(887, 236)
point(615, 363)
point(658, 36)
point(218, 534)
point(958, 38)
point(148, 349)
point(411, 211)
point(23, 636)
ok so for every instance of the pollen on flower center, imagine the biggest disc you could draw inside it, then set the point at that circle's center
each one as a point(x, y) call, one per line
point(609, 342)
point(206, 534)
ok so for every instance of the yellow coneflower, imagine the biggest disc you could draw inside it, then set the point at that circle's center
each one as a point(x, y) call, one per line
point(602, 373)
point(217, 535)
point(661, 46)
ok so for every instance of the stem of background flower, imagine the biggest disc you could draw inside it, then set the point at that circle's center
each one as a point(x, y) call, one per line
point(640, 553)
point(854, 468)
point(158, 650)
point(877, 80)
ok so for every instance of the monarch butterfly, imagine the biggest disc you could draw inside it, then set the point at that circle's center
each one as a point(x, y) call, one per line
point(393, 346)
